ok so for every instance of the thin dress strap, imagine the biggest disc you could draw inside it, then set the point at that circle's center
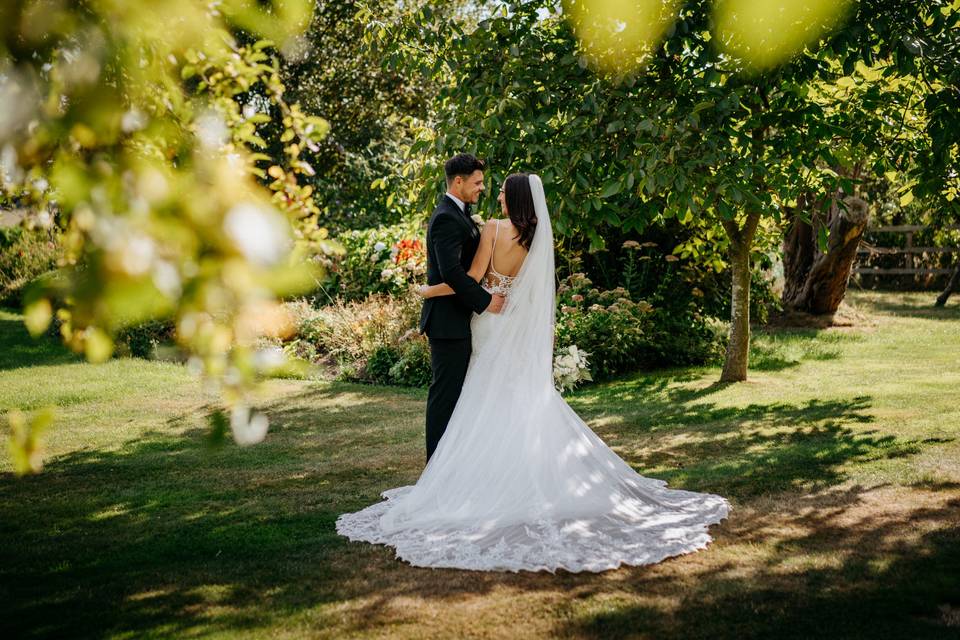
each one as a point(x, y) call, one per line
point(494, 250)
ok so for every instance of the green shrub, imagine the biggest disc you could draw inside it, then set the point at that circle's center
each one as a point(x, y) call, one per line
point(684, 336)
point(142, 340)
point(378, 260)
point(380, 363)
point(370, 340)
point(413, 367)
point(608, 325)
point(25, 254)
point(623, 335)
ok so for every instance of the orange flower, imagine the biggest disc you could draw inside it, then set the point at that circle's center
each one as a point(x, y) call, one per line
point(407, 249)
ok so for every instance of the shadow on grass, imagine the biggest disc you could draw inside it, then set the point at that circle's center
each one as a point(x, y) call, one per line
point(878, 578)
point(746, 451)
point(166, 536)
point(18, 349)
point(777, 348)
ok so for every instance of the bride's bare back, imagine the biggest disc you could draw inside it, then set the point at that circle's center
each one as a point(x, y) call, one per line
point(506, 258)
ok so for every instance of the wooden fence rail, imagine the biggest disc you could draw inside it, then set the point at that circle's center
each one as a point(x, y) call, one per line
point(909, 251)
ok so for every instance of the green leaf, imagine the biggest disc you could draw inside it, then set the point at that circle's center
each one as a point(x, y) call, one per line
point(706, 104)
point(37, 316)
point(98, 346)
point(611, 188)
point(219, 423)
point(25, 444)
point(822, 237)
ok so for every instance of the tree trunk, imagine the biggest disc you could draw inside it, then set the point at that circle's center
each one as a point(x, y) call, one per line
point(816, 281)
point(741, 243)
point(738, 344)
point(951, 286)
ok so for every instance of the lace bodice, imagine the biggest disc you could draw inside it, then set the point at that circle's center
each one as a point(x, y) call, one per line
point(496, 282)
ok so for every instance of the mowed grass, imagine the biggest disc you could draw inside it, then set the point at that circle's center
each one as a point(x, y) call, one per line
point(840, 455)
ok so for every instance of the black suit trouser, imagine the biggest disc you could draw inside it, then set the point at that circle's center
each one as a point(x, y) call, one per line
point(448, 360)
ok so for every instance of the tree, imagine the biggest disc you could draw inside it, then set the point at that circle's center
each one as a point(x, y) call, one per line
point(816, 280)
point(374, 112)
point(691, 129)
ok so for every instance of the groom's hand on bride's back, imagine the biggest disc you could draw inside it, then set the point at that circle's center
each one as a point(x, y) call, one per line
point(496, 303)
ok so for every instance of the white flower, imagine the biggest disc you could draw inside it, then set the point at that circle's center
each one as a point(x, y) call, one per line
point(137, 254)
point(247, 429)
point(476, 218)
point(296, 48)
point(379, 247)
point(195, 365)
point(386, 274)
point(133, 120)
point(234, 160)
point(260, 233)
point(269, 358)
point(10, 171)
point(211, 130)
point(166, 278)
point(19, 101)
point(570, 367)
point(44, 219)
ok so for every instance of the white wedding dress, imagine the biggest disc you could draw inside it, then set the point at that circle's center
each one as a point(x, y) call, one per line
point(519, 481)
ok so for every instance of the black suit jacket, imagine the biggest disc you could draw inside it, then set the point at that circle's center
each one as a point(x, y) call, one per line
point(452, 241)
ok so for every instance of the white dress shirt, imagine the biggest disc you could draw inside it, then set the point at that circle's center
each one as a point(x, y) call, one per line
point(457, 200)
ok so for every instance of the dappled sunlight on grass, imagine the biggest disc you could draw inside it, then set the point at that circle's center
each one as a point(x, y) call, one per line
point(844, 479)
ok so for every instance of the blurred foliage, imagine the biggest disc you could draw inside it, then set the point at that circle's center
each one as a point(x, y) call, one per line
point(25, 443)
point(136, 128)
point(619, 35)
point(768, 33)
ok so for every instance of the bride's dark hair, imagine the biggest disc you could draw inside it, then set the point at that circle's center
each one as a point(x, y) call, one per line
point(516, 191)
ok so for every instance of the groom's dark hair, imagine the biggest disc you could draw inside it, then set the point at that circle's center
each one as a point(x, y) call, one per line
point(462, 164)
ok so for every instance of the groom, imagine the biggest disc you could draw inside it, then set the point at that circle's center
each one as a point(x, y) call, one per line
point(452, 241)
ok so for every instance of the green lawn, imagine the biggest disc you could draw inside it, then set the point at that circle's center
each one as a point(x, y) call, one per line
point(841, 457)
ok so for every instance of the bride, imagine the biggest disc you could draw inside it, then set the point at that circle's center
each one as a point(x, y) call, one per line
point(519, 481)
